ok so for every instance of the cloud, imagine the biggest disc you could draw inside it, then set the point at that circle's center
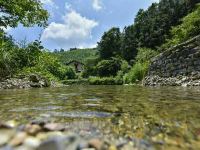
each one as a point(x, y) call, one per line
point(73, 32)
point(97, 4)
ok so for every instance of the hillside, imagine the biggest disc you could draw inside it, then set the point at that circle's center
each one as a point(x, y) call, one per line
point(80, 55)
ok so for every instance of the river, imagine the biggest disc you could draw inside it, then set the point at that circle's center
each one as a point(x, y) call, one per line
point(164, 116)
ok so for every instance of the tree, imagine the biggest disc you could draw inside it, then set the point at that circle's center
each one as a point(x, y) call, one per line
point(129, 43)
point(26, 12)
point(110, 44)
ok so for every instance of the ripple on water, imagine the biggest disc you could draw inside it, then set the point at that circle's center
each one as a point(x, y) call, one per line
point(92, 99)
point(89, 114)
point(46, 108)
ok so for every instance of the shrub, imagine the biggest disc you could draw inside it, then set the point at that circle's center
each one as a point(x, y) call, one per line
point(50, 67)
point(137, 73)
point(145, 54)
point(107, 68)
point(104, 81)
point(124, 66)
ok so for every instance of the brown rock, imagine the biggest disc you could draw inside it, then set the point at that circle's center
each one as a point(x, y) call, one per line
point(18, 139)
point(54, 127)
point(95, 143)
point(33, 129)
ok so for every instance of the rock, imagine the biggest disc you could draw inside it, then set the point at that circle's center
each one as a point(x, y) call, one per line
point(52, 144)
point(95, 143)
point(34, 78)
point(7, 147)
point(32, 142)
point(54, 127)
point(35, 85)
point(5, 136)
point(33, 129)
point(18, 139)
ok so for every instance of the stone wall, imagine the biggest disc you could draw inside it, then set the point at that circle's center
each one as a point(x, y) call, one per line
point(177, 62)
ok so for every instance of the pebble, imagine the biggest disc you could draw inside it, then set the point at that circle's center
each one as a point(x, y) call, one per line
point(54, 127)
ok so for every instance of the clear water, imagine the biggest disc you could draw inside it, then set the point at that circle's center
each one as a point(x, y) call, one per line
point(168, 117)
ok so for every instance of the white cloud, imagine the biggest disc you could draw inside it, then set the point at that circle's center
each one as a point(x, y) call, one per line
point(73, 32)
point(97, 4)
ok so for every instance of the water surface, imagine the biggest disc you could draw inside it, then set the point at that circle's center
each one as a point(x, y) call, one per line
point(167, 117)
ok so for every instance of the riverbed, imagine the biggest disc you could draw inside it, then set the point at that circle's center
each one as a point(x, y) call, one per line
point(166, 117)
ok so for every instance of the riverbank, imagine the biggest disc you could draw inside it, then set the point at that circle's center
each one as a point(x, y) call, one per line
point(39, 135)
point(185, 81)
point(27, 81)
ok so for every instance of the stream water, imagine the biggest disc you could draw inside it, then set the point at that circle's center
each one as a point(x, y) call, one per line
point(165, 116)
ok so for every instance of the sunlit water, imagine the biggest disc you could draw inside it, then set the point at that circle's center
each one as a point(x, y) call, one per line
point(167, 116)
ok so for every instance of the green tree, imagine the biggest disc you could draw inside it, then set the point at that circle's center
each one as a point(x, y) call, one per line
point(129, 43)
point(26, 12)
point(110, 44)
point(106, 68)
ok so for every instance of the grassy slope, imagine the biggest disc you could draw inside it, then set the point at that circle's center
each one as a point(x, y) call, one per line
point(80, 55)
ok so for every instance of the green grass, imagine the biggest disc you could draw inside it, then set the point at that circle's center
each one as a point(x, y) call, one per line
point(79, 55)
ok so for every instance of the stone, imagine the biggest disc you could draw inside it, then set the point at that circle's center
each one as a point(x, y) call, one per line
point(34, 78)
point(32, 142)
point(52, 144)
point(95, 143)
point(32, 129)
point(5, 136)
point(54, 127)
point(18, 139)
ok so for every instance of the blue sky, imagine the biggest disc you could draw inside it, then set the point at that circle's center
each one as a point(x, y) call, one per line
point(80, 23)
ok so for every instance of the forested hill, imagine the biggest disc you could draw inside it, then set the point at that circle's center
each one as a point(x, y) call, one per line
point(78, 54)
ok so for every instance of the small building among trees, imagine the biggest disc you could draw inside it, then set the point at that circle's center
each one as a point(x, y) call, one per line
point(78, 66)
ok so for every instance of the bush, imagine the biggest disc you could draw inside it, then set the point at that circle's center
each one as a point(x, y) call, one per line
point(50, 67)
point(137, 73)
point(104, 81)
point(107, 68)
point(90, 67)
point(189, 28)
point(145, 55)
point(124, 66)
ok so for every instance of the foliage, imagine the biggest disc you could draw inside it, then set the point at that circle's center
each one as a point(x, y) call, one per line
point(137, 73)
point(106, 68)
point(76, 81)
point(145, 54)
point(190, 27)
point(50, 66)
point(153, 25)
point(110, 44)
point(7, 63)
point(90, 67)
point(124, 66)
point(129, 43)
point(26, 12)
point(104, 81)
point(80, 55)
